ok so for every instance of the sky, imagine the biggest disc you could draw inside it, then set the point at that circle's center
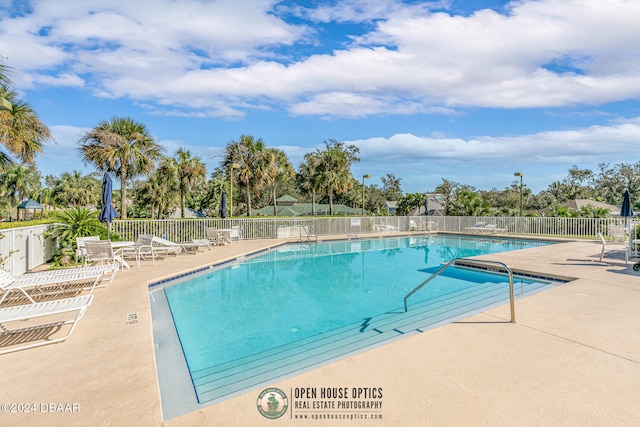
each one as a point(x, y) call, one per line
point(468, 91)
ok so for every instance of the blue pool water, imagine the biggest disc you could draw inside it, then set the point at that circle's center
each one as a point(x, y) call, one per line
point(305, 304)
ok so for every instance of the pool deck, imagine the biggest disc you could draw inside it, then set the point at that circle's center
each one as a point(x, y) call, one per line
point(572, 358)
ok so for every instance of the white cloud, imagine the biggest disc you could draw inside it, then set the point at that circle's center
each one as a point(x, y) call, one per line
point(224, 59)
point(543, 156)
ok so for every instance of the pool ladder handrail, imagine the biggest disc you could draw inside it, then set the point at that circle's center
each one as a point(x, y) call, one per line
point(470, 261)
point(309, 233)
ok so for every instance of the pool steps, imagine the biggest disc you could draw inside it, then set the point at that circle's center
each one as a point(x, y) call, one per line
point(235, 377)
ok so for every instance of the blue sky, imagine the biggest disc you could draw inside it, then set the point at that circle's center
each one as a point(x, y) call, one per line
point(470, 91)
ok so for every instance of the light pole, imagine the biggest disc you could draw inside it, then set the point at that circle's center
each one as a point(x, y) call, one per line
point(363, 177)
point(233, 166)
point(520, 175)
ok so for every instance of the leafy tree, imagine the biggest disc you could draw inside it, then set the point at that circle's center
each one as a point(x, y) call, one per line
point(391, 187)
point(212, 201)
point(409, 202)
point(18, 182)
point(467, 203)
point(122, 146)
point(375, 198)
point(76, 189)
point(161, 192)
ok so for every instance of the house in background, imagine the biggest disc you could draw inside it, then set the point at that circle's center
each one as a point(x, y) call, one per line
point(391, 207)
point(578, 204)
point(435, 205)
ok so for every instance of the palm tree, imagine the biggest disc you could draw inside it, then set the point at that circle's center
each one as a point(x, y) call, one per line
point(278, 169)
point(76, 222)
point(248, 154)
point(21, 131)
point(19, 182)
point(123, 146)
point(212, 200)
point(309, 177)
point(161, 192)
point(76, 189)
point(335, 165)
point(191, 172)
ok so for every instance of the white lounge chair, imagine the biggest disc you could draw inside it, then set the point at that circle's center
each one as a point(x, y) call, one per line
point(105, 269)
point(477, 227)
point(29, 312)
point(49, 283)
point(492, 228)
point(614, 246)
point(191, 247)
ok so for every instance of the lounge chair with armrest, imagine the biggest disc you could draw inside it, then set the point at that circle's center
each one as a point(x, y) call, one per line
point(43, 284)
point(15, 339)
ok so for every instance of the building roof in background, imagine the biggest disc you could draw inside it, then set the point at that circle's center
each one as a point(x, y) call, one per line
point(578, 204)
point(304, 209)
point(188, 213)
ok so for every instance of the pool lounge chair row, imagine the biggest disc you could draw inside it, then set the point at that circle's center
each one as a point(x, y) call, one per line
point(34, 318)
point(146, 246)
point(484, 228)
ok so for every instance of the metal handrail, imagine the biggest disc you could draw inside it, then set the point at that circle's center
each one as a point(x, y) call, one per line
point(478, 262)
point(307, 233)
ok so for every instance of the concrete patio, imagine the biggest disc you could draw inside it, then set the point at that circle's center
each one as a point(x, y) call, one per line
point(572, 358)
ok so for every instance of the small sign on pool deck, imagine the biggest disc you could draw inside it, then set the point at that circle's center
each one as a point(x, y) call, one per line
point(131, 319)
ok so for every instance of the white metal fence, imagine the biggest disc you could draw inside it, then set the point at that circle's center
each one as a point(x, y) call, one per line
point(266, 228)
point(22, 249)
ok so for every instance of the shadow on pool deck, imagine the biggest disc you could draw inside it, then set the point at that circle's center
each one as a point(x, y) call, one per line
point(572, 358)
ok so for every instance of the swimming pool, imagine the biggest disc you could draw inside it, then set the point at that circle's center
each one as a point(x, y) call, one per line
point(303, 305)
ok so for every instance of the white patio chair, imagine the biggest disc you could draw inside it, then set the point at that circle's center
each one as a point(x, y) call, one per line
point(235, 233)
point(81, 251)
point(30, 312)
point(214, 236)
point(101, 251)
point(142, 249)
point(614, 246)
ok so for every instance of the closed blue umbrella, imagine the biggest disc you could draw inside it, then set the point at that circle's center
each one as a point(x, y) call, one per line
point(426, 206)
point(627, 208)
point(107, 213)
point(223, 206)
point(627, 211)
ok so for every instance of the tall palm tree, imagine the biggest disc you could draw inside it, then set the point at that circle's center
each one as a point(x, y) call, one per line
point(123, 146)
point(309, 177)
point(248, 154)
point(335, 165)
point(21, 131)
point(191, 172)
point(277, 169)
